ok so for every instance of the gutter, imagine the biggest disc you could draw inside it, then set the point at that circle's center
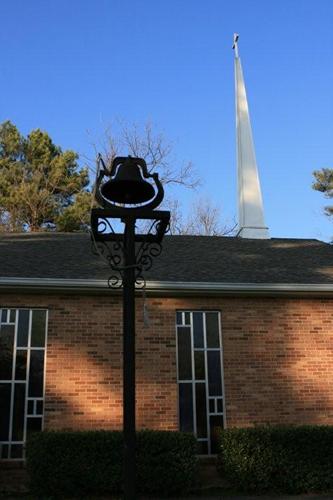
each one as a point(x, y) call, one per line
point(166, 288)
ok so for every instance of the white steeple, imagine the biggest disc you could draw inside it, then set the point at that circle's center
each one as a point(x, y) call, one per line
point(250, 205)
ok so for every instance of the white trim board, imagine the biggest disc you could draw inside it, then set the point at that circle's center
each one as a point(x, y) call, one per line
point(167, 288)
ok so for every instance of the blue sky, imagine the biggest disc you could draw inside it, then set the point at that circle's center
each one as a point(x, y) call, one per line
point(71, 67)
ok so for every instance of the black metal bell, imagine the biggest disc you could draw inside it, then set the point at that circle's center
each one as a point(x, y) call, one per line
point(128, 186)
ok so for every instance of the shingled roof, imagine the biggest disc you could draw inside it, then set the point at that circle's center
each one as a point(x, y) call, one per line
point(184, 259)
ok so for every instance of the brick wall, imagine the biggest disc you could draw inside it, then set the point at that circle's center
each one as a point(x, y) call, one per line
point(278, 360)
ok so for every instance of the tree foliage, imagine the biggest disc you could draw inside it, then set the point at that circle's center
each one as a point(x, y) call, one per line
point(41, 186)
point(324, 183)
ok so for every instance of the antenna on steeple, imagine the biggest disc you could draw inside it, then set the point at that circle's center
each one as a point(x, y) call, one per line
point(250, 204)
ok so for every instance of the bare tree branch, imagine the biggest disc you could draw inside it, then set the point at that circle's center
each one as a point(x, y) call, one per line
point(122, 138)
point(144, 142)
point(204, 219)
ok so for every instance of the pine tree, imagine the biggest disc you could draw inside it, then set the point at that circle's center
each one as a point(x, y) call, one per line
point(41, 186)
point(324, 184)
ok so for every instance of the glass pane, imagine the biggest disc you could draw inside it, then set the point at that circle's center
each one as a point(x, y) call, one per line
point(4, 451)
point(200, 403)
point(4, 316)
point(220, 405)
point(21, 365)
point(39, 408)
point(199, 364)
point(215, 425)
point(12, 316)
point(36, 374)
point(214, 373)
point(23, 328)
point(187, 318)
point(179, 318)
point(17, 451)
point(38, 328)
point(33, 425)
point(212, 329)
point(18, 413)
point(186, 407)
point(202, 448)
point(212, 406)
point(184, 353)
point(30, 407)
point(198, 329)
point(6, 351)
point(5, 391)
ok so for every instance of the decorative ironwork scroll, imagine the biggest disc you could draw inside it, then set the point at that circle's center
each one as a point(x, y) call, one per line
point(107, 244)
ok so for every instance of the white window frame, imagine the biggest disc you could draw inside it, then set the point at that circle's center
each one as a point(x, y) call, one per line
point(193, 380)
point(12, 382)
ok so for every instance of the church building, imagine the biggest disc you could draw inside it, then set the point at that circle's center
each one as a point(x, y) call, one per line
point(230, 331)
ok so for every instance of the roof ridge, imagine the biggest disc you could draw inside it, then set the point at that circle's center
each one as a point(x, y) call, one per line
point(243, 241)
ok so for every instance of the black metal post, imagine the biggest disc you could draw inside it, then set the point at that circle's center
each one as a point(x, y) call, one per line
point(129, 361)
point(128, 196)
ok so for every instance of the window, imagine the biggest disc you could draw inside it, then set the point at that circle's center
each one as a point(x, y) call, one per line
point(200, 385)
point(22, 361)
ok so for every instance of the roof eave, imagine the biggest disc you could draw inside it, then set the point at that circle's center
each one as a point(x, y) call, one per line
point(166, 288)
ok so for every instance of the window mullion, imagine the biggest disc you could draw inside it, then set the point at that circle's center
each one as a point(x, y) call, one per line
point(27, 381)
point(194, 402)
point(12, 395)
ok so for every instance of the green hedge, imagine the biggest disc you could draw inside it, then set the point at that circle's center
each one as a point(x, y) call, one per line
point(288, 459)
point(90, 462)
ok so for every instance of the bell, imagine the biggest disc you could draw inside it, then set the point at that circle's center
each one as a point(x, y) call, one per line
point(128, 186)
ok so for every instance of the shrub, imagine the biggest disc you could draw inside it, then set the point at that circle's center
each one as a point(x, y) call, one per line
point(91, 462)
point(289, 459)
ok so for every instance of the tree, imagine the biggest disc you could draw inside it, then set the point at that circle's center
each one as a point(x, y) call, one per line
point(123, 138)
point(324, 184)
point(41, 186)
point(204, 219)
